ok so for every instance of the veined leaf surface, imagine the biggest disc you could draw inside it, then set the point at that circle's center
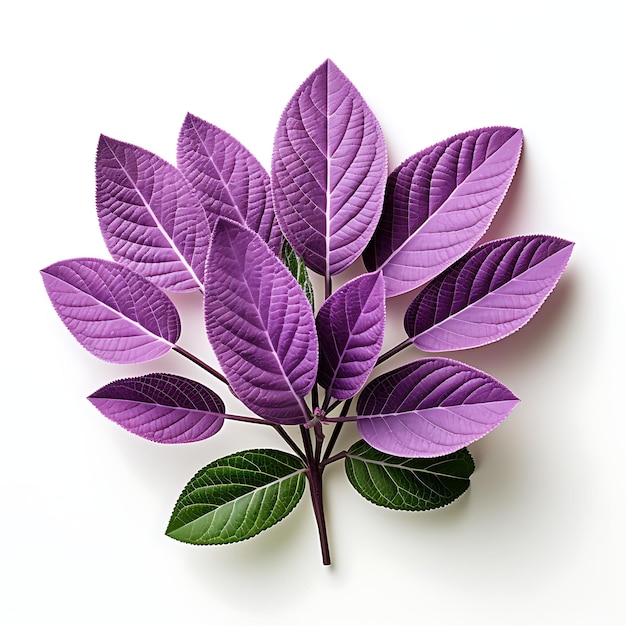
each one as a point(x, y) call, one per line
point(408, 484)
point(488, 294)
point(165, 408)
point(260, 325)
point(438, 204)
point(113, 312)
point(431, 407)
point(237, 497)
point(228, 179)
point(149, 216)
point(350, 328)
point(328, 171)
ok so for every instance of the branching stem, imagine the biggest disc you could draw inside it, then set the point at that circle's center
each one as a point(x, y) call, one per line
point(332, 459)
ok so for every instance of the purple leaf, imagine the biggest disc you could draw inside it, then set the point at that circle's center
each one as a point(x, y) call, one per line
point(430, 408)
point(328, 171)
point(438, 204)
point(162, 407)
point(260, 325)
point(350, 327)
point(149, 216)
point(228, 179)
point(488, 294)
point(114, 313)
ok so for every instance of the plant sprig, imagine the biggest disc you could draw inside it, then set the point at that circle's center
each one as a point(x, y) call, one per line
point(248, 239)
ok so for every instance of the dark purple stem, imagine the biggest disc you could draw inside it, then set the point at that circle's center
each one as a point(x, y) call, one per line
point(315, 484)
point(202, 364)
point(290, 442)
point(332, 459)
point(337, 429)
point(401, 346)
point(314, 474)
point(333, 440)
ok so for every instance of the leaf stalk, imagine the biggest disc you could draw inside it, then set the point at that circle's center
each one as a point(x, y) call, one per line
point(393, 351)
point(205, 366)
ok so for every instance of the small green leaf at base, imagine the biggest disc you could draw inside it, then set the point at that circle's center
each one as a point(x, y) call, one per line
point(408, 484)
point(237, 497)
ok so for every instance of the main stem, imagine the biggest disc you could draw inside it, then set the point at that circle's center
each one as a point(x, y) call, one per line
point(315, 483)
point(314, 474)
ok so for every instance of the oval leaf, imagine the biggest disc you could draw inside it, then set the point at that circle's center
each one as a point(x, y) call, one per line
point(431, 407)
point(149, 216)
point(408, 484)
point(328, 171)
point(162, 407)
point(438, 204)
point(350, 328)
point(237, 497)
point(488, 294)
point(227, 178)
point(116, 314)
point(260, 325)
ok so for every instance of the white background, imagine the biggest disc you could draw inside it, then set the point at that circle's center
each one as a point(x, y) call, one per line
point(538, 539)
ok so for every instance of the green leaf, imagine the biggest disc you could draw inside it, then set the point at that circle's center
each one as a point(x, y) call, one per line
point(297, 267)
point(237, 497)
point(408, 484)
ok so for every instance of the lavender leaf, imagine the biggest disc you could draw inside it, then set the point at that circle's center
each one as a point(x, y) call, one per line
point(328, 171)
point(228, 179)
point(438, 204)
point(259, 324)
point(162, 407)
point(149, 216)
point(113, 312)
point(350, 327)
point(408, 484)
point(237, 497)
point(431, 407)
point(488, 294)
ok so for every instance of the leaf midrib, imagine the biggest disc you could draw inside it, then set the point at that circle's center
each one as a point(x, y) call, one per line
point(158, 224)
point(401, 467)
point(232, 503)
point(437, 212)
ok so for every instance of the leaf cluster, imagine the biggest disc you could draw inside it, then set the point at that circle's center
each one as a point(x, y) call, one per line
point(248, 240)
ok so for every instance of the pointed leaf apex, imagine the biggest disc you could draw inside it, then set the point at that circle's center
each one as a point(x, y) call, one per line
point(431, 407)
point(105, 140)
point(439, 203)
point(164, 408)
point(329, 169)
point(498, 287)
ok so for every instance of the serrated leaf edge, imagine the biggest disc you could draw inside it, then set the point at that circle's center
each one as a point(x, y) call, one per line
point(548, 293)
point(247, 494)
point(391, 508)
